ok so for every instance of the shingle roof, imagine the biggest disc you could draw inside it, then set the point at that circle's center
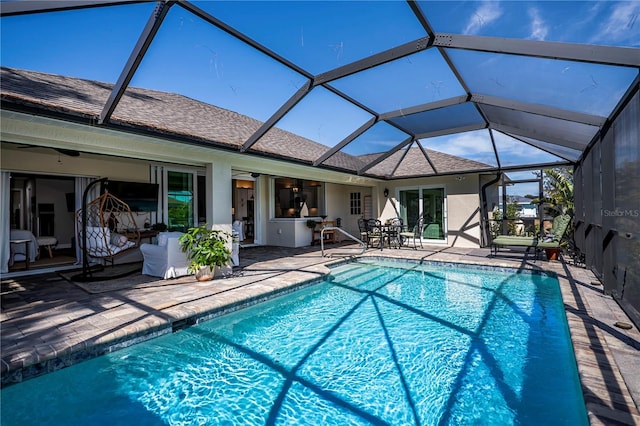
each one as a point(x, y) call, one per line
point(170, 114)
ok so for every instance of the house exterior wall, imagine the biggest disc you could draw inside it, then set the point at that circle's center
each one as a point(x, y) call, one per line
point(461, 195)
point(338, 205)
point(462, 205)
point(124, 156)
point(128, 157)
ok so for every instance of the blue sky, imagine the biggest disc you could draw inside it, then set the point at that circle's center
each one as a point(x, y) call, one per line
point(193, 58)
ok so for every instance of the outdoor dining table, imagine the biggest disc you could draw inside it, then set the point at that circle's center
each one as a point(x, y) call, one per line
point(386, 234)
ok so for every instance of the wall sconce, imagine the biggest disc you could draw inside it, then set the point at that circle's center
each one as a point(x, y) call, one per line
point(295, 189)
point(386, 192)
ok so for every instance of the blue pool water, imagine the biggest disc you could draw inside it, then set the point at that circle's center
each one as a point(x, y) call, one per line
point(404, 344)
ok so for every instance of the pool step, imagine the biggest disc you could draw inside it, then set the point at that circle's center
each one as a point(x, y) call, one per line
point(356, 275)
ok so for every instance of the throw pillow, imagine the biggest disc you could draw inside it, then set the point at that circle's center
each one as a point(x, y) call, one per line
point(118, 240)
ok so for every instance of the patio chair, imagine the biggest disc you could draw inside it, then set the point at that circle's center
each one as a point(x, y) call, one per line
point(110, 229)
point(551, 239)
point(415, 234)
point(362, 227)
point(165, 259)
point(393, 228)
point(375, 233)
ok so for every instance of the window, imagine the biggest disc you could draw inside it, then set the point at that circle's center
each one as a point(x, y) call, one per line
point(297, 198)
point(355, 203)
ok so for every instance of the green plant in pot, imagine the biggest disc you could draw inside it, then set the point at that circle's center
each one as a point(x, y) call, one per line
point(206, 249)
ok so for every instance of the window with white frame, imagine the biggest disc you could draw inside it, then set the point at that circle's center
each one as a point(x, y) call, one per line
point(355, 203)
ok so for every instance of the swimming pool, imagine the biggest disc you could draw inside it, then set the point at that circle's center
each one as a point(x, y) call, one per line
point(376, 343)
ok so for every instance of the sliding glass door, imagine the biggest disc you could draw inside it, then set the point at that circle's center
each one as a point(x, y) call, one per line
point(426, 202)
point(180, 200)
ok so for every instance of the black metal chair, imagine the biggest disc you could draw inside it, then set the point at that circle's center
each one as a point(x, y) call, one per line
point(415, 234)
point(375, 233)
point(362, 226)
point(393, 229)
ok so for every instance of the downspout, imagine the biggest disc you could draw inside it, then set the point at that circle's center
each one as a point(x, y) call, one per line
point(484, 220)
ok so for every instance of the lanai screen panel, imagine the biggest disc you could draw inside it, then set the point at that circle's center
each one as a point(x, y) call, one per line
point(560, 151)
point(406, 162)
point(412, 163)
point(239, 87)
point(513, 152)
point(569, 85)
point(375, 141)
point(461, 150)
point(416, 79)
point(320, 36)
point(562, 132)
point(605, 23)
point(441, 119)
point(45, 42)
point(321, 117)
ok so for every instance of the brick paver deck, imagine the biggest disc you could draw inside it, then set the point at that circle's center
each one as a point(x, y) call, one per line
point(48, 323)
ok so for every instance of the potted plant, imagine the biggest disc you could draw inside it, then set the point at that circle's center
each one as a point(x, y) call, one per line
point(206, 249)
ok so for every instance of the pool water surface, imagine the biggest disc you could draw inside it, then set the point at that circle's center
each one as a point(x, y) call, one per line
point(375, 343)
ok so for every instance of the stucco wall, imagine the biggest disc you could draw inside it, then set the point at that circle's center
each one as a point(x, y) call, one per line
point(462, 205)
point(338, 205)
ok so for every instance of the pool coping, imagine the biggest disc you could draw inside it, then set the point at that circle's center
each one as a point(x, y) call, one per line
point(607, 397)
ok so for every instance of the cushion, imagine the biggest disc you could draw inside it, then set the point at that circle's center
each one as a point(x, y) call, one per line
point(560, 224)
point(118, 240)
point(96, 237)
point(163, 237)
point(510, 240)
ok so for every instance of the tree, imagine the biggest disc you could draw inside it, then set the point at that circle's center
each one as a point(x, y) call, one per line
point(512, 214)
point(558, 190)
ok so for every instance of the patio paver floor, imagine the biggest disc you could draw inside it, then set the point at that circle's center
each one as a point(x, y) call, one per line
point(48, 322)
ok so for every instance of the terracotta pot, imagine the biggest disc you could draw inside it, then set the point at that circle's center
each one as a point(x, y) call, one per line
point(205, 273)
point(552, 253)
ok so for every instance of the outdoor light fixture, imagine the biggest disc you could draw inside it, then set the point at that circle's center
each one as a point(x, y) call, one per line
point(386, 192)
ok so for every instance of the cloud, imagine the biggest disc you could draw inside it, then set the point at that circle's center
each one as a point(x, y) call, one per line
point(512, 151)
point(622, 25)
point(539, 28)
point(484, 15)
point(472, 145)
